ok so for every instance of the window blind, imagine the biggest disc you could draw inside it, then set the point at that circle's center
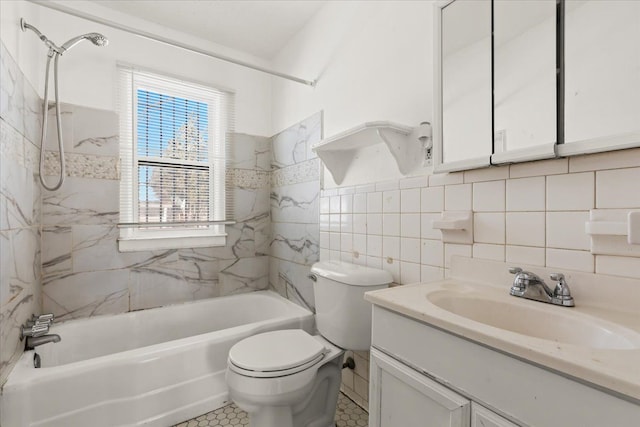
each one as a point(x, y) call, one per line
point(174, 140)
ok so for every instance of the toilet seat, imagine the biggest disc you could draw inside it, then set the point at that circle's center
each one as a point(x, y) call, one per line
point(275, 354)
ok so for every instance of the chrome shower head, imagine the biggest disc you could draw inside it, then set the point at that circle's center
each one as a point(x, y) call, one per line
point(95, 38)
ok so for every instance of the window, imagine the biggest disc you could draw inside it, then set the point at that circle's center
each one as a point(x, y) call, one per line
point(172, 148)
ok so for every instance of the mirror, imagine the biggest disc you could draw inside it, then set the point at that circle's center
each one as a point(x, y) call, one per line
point(524, 52)
point(602, 75)
point(463, 47)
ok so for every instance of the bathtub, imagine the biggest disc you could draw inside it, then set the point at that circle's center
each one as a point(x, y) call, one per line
point(154, 367)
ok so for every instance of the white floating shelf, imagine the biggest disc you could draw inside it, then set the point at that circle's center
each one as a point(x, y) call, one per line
point(339, 151)
point(455, 226)
point(614, 232)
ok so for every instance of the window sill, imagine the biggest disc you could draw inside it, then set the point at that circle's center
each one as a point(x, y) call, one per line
point(165, 243)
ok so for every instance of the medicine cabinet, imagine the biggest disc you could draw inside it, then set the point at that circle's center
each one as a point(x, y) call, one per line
point(533, 79)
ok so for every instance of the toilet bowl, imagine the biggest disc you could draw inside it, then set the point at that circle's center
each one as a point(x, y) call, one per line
point(289, 378)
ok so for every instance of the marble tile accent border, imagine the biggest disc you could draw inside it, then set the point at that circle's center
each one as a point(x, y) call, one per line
point(83, 165)
point(295, 174)
point(247, 178)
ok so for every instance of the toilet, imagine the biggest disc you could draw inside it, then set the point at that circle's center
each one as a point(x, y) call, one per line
point(289, 378)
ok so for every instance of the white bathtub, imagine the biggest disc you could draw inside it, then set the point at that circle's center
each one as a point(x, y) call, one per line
point(154, 367)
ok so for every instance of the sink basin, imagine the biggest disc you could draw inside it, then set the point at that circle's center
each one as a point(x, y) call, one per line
point(538, 320)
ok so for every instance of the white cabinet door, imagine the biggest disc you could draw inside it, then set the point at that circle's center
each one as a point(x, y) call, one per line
point(482, 417)
point(401, 396)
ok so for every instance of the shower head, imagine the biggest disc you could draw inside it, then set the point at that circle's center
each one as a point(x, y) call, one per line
point(95, 38)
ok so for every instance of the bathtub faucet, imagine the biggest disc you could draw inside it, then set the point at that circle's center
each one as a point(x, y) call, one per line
point(36, 326)
point(33, 342)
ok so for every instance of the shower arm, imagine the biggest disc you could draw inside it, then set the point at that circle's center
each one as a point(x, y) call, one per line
point(51, 45)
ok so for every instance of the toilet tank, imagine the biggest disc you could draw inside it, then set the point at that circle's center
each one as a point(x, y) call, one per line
point(342, 315)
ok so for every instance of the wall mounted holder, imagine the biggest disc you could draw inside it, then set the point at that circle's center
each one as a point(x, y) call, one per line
point(455, 226)
point(614, 232)
point(339, 151)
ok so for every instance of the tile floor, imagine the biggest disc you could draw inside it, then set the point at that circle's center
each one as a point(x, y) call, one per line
point(348, 414)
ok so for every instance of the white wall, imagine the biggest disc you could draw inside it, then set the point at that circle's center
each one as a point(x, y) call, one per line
point(373, 61)
point(88, 73)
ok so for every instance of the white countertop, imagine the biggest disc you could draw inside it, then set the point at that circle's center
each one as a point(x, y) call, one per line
point(617, 370)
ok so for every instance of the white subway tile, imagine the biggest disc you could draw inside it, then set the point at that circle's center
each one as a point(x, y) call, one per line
point(432, 199)
point(324, 223)
point(457, 197)
point(360, 203)
point(374, 245)
point(324, 254)
point(346, 242)
point(429, 273)
point(484, 251)
point(526, 194)
point(346, 257)
point(334, 255)
point(391, 224)
point(410, 200)
point(410, 225)
point(374, 202)
point(324, 240)
point(488, 227)
point(374, 262)
point(374, 223)
point(334, 241)
point(609, 160)
point(346, 223)
point(539, 168)
point(618, 266)
point(489, 196)
point(566, 230)
point(410, 250)
point(426, 229)
point(618, 188)
point(391, 247)
point(367, 188)
point(446, 179)
point(486, 174)
point(570, 192)
point(525, 229)
point(346, 190)
point(451, 249)
point(432, 253)
point(360, 223)
point(334, 223)
point(564, 259)
point(393, 268)
point(324, 205)
point(330, 192)
point(391, 201)
point(525, 255)
point(414, 182)
point(387, 185)
point(360, 244)
point(334, 205)
point(346, 203)
point(409, 273)
point(359, 259)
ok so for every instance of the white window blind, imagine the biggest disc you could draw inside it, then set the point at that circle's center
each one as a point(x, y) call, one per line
point(173, 146)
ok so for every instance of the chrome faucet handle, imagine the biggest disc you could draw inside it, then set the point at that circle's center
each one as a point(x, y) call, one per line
point(36, 330)
point(49, 317)
point(562, 293)
point(517, 288)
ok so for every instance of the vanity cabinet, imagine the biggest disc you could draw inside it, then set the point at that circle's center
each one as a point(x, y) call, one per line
point(425, 371)
point(482, 417)
point(404, 397)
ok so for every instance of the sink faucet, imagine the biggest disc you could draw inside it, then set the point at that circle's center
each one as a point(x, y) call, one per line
point(529, 285)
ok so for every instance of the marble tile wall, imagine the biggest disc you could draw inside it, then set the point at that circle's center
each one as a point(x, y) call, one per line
point(295, 194)
point(83, 272)
point(20, 209)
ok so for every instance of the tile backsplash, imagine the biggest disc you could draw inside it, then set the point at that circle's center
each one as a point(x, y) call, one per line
point(530, 213)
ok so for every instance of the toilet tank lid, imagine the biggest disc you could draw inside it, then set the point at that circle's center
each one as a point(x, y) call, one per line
point(351, 274)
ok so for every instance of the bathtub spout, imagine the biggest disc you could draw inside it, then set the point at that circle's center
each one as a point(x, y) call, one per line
point(33, 342)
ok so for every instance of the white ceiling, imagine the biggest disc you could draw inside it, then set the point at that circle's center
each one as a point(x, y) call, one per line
point(260, 28)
